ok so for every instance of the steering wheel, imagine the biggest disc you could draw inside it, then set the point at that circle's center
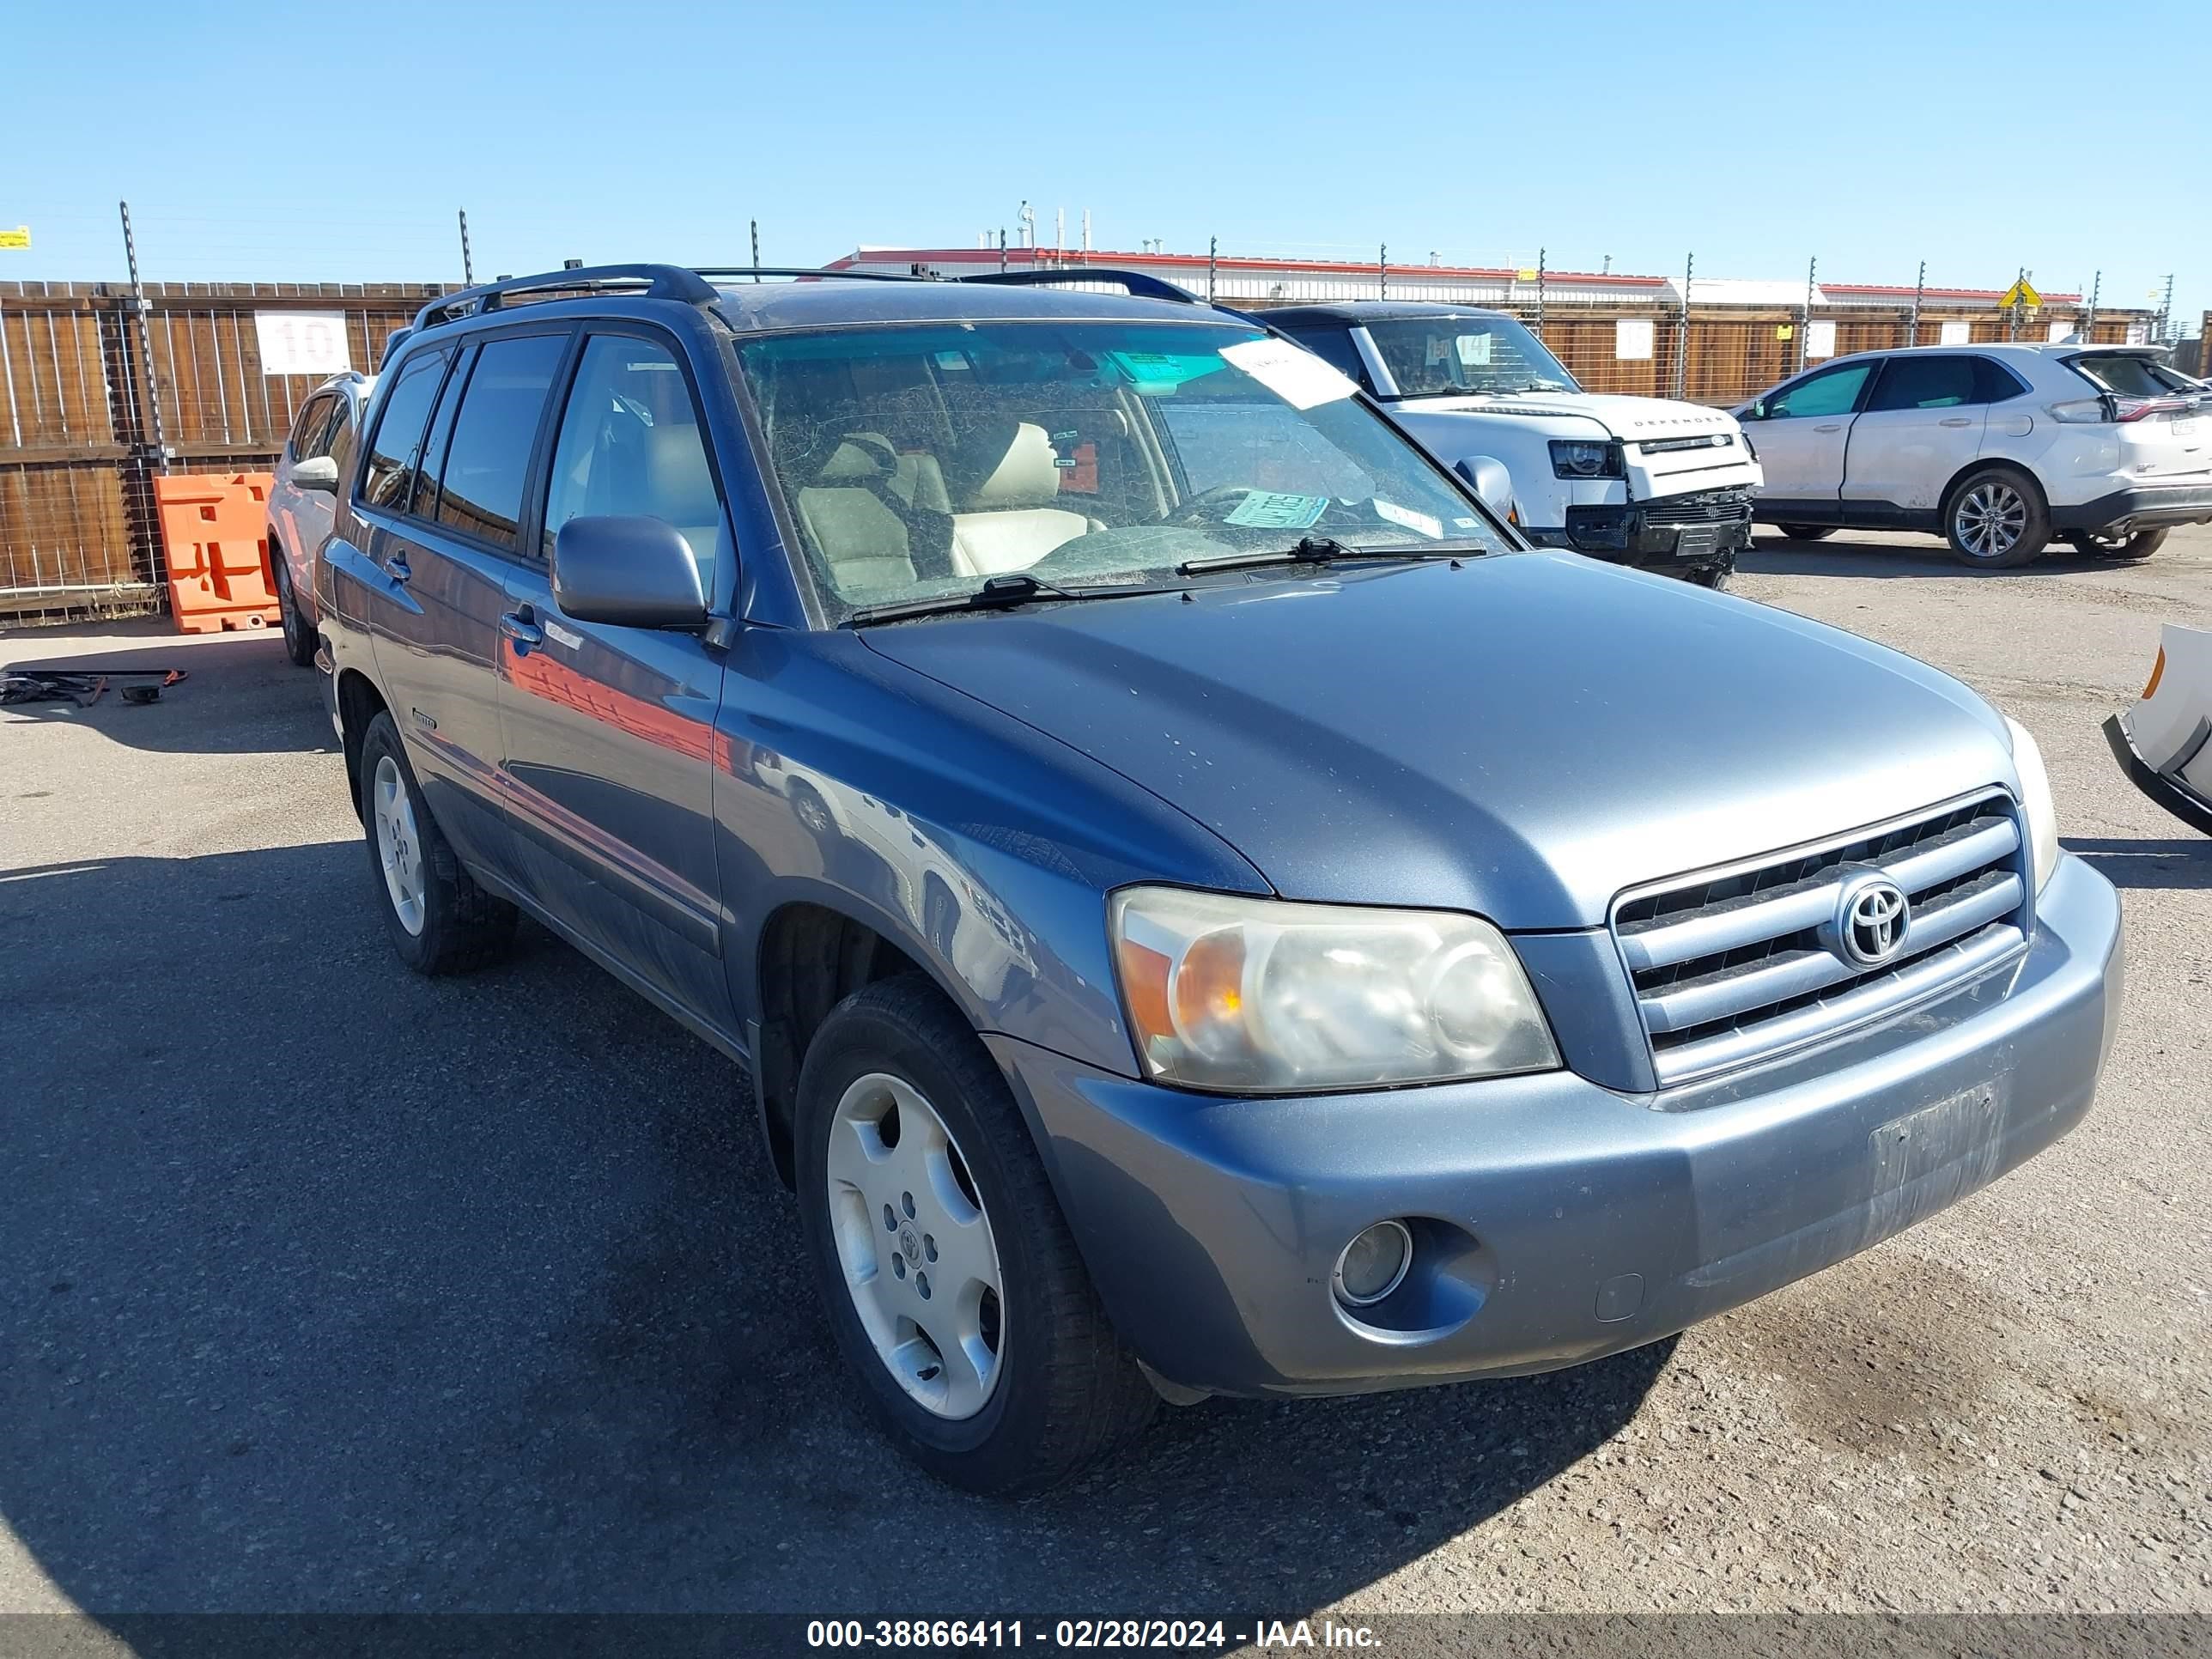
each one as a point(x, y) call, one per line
point(1201, 508)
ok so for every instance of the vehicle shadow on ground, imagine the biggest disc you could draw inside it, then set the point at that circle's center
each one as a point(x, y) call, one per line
point(241, 695)
point(332, 1288)
point(2181, 864)
point(1840, 555)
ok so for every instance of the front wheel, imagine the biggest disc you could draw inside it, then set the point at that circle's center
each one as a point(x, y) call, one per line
point(949, 1278)
point(2099, 545)
point(1806, 532)
point(1996, 520)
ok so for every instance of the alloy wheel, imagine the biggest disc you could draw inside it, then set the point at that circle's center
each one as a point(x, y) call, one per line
point(919, 1257)
point(1991, 518)
point(398, 846)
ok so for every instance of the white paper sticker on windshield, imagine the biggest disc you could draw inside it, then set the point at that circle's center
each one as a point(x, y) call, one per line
point(1292, 372)
point(1419, 523)
point(1475, 350)
point(1268, 509)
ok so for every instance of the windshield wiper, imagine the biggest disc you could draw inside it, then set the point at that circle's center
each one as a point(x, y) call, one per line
point(1310, 550)
point(1000, 593)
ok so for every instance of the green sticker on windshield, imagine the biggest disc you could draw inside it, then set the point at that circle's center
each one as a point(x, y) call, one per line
point(1164, 371)
point(1268, 509)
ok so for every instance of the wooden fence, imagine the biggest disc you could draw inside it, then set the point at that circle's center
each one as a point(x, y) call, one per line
point(101, 397)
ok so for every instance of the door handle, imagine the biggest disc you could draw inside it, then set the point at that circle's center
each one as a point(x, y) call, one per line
point(1832, 426)
point(1957, 420)
point(396, 568)
point(518, 626)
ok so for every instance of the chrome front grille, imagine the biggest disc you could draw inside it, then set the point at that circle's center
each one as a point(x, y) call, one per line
point(1738, 963)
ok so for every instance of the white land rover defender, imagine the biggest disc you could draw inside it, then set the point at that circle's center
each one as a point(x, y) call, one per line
point(1640, 481)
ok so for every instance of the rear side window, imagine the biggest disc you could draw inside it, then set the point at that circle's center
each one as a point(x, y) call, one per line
point(390, 474)
point(1924, 383)
point(1994, 382)
point(2125, 372)
point(487, 458)
point(631, 446)
point(423, 496)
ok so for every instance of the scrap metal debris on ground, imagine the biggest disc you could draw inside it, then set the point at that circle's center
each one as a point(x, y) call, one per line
point(83, 687)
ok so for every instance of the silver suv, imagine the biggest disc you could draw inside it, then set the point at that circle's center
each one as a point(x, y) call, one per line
point(1995, 447)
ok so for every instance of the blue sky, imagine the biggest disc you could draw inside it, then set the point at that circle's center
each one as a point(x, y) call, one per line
point(304, 142)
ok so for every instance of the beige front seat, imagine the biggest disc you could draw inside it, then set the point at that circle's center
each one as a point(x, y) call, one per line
point(1007, 520)
point(861, 540)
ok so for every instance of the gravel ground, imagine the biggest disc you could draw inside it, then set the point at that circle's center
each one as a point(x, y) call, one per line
point(324, 1287)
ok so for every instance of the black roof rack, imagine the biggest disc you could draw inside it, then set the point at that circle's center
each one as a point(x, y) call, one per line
point(1137, 283)
point(660, 283)
point(805, 270)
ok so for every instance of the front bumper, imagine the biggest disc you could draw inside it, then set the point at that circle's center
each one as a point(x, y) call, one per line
point(1558, 1221)
point(2146, 506)
point(2162, 787)
point(1696, 530)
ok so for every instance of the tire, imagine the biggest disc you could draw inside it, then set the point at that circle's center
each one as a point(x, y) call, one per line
point(440, 921)
point(812, 811)
point(1996, 520)
point(299, 638)
point(1806, 532)
point(1714, 577)
point(2141, 545)
point(1061, 1392)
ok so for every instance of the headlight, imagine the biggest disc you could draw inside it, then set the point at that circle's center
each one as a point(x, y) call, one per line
point(2035, 800)
point(1257, 996)
point(1579, 457)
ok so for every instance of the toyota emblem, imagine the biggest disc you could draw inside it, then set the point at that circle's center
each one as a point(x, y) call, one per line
point(1872, 915)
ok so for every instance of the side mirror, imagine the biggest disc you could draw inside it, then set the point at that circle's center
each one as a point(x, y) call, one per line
point(319, 472)
point(1490, 481)
point(634, 572)
point(1752, 412)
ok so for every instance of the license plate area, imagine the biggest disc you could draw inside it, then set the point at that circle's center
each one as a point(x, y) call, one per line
point(1698, 541)
point(1934, 1157)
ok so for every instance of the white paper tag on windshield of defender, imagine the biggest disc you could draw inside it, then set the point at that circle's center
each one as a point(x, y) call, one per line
point(1419, 523)
point(1292, 372)
point(1475, 350)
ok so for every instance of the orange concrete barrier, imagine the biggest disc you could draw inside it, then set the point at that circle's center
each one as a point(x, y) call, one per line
point(215, 537)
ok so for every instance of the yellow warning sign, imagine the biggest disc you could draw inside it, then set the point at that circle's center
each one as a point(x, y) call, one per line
point(19, 237)
point(1525, 276)
point(1784, 330)
point(2020, 293)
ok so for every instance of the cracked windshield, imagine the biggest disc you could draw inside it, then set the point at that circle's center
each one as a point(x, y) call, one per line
point(921, 462)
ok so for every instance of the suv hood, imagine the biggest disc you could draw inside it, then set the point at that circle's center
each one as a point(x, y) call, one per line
point(1520, 736)
point(1631, 419)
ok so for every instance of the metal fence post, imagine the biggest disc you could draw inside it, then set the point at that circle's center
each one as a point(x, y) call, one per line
point(1541, 271)
point(1212, 256)
point(1805, 323)
point(1682, 345)
point(1919, 287)
point(2089, 323)
point(149, 413)
point(468, 264)
point(1382, 272)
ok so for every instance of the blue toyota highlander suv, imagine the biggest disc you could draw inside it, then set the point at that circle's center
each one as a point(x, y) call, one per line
point(1200, 906)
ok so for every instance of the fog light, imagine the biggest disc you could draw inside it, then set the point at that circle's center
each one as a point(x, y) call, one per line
point(1374, 1264)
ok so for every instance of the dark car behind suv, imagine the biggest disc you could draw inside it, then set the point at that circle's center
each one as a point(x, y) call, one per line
point(1201, 906)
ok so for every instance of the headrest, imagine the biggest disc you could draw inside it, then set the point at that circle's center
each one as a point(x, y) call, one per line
point(860, 456)
point(1010, 469)
point(675, 468)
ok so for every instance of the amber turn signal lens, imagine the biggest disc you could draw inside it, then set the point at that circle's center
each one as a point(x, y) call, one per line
point(2157, 673)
